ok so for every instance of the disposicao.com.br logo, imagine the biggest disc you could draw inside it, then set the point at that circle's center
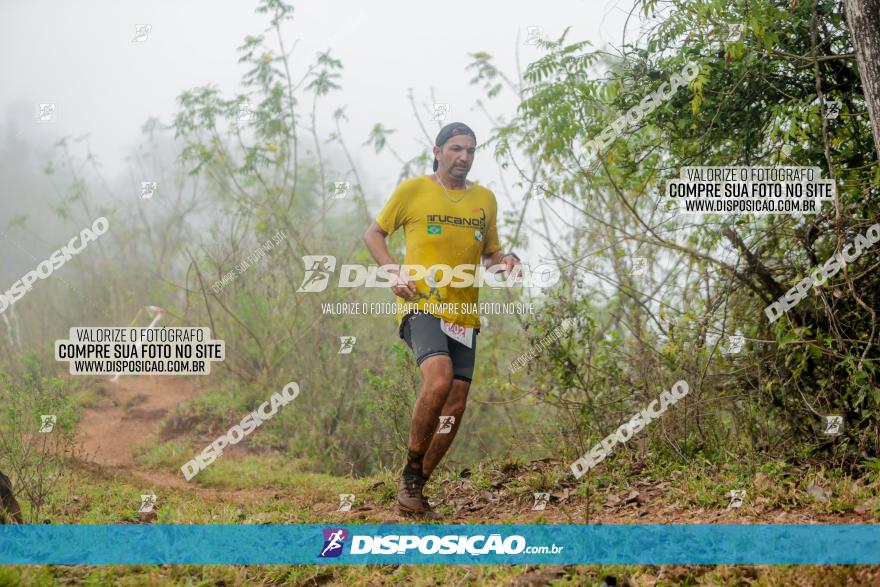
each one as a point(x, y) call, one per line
point(394, 544)
point(334, 540)
point(320, 268)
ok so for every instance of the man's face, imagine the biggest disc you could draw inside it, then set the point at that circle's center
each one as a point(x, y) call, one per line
point(456, 156)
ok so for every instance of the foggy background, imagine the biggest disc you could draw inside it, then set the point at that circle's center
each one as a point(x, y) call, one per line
point(82, 58)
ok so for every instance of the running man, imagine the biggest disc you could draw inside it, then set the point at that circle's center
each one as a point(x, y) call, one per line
point(450, 221)
point(334, 543)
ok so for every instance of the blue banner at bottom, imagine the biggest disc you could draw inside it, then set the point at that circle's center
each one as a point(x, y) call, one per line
point(441, 544)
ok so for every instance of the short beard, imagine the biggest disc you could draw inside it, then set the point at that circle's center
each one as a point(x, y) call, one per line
point(458, 172)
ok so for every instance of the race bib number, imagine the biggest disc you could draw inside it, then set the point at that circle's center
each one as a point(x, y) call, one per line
point(458, 332)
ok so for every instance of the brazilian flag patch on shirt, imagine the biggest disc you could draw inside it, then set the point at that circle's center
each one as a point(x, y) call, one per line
point(434, 228)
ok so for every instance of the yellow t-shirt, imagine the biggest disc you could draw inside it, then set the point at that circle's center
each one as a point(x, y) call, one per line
point(442, 232)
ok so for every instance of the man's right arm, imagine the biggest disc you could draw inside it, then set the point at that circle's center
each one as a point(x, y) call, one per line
point(374, 238)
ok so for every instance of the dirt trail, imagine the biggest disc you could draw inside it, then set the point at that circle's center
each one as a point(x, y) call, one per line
point(129, 415)
point(132, 410)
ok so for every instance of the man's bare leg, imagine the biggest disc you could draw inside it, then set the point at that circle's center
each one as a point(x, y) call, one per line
point(440, 443)
point(436, 386)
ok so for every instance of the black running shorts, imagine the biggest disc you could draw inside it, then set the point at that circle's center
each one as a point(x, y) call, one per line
point(422, 334)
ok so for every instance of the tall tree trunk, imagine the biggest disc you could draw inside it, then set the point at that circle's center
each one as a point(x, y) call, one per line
point(864, 27)
point(9, 509)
